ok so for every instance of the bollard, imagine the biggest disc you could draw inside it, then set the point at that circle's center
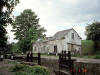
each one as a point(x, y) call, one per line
point(12, 57)
point(1, 58)
point(28, 56)
point(31, 57)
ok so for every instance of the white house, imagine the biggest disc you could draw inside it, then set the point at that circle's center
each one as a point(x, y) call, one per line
point(67, 40)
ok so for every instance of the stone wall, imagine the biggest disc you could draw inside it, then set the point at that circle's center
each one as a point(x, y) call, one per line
point(92, 68)
point(51, 63)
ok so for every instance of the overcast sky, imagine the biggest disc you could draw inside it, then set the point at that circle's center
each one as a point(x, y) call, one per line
point(57, 15)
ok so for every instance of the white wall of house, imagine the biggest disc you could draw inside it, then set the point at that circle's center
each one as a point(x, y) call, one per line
point(58, 43)
point(41, 47)
point(76, 40)
point(62, 44)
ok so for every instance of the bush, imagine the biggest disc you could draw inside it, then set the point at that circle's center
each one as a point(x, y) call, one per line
point(39, 70)
point(21, 69)
point(21, 73)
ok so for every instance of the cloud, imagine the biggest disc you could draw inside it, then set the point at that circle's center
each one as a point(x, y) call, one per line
point(56, 15)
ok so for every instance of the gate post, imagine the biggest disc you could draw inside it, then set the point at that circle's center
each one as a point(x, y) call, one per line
point(39, 59)
point(71, 64)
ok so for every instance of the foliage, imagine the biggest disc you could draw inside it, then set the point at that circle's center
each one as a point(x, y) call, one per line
point(9, 46)
point(6, 8)
point(25, 45)
point(38, 70)
point(27, 24)
point(14, 48)
point(21, 73)
point(93, 31)
point(27, 29)
point(87, 47)
point(21, 69)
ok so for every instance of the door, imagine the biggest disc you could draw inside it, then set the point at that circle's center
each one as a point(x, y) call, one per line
point(55, 49)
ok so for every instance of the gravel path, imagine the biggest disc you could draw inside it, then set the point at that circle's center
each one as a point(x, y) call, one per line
point(4, 67)
point(85, 60)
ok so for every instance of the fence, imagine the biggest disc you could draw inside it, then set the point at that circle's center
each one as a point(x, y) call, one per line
point(29, 58)
point(66, 62)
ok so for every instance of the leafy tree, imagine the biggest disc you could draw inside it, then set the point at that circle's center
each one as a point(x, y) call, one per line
point(6, 8)
point(93, 33)
point(12, 48)
point(27, 29)
point(9, 46)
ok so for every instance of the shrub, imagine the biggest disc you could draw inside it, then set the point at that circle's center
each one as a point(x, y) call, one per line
point(21, 73)
point(40, 70)
point(21, 69)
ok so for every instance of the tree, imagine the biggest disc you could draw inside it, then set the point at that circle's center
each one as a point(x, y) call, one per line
point(12, 47)
point(93, 33)
point(27, 29)
point(6, 8)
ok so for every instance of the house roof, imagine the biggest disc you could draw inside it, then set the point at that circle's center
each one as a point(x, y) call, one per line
point(61, 34)
point(58, 35)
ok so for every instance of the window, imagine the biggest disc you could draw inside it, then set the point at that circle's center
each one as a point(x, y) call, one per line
point(72, 35)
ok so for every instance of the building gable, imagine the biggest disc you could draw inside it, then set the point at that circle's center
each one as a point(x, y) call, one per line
point(61, 34)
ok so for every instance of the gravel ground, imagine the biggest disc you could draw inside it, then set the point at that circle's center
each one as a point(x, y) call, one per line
point(5, 67)
point(77, 59)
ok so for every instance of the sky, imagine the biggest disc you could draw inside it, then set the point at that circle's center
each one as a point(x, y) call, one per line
point(57, 15)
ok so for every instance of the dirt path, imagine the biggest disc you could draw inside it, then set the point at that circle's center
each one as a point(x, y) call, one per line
point(5, 67)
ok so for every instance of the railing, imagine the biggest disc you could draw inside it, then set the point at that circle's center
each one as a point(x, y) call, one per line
point(28, 58)
point(66, 62)
point(31, 58)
